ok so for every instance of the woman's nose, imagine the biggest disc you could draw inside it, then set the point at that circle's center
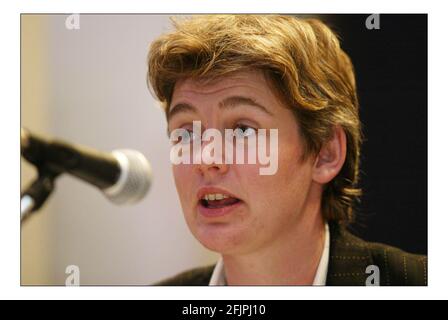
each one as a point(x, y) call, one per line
point(212, 160)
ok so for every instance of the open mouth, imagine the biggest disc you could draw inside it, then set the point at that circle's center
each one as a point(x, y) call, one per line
point(218, 201)
point(217, 204)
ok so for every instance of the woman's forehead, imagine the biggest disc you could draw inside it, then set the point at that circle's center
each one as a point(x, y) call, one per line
point(252, 78)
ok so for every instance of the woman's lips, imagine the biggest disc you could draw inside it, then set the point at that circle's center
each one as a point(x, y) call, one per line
point(215, 210)
point(216, 202)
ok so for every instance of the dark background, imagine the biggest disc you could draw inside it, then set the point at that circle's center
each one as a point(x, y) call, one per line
point(391, 71)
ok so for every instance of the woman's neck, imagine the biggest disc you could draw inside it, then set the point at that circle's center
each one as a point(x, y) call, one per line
point(291, 259)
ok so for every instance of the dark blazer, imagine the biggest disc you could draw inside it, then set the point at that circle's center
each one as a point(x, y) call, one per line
point(349, 259)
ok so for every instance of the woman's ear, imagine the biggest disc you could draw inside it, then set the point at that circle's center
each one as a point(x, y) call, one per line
point(331, 157)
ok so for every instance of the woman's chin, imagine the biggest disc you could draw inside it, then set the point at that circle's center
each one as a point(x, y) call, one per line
point(221, 238)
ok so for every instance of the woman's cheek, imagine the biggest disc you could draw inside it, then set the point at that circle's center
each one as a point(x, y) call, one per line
point(256, 188)
point(182, 179)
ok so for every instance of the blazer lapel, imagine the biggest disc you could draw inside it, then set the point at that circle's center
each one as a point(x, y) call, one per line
point(349, 259)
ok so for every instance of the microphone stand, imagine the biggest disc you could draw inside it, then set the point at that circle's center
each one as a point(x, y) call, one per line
point(37, 192)
point(40, 189)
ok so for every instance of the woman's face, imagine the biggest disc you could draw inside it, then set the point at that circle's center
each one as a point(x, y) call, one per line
point(259, 209)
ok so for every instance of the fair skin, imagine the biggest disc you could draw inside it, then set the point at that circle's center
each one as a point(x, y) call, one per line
point(275, 233)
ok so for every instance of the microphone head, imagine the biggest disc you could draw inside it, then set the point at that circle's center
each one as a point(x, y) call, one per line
point(134, 180)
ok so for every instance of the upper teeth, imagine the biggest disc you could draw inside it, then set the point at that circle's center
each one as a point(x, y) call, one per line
point(214, 196)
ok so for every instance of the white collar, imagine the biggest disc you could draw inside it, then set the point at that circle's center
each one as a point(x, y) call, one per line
point(219, 278)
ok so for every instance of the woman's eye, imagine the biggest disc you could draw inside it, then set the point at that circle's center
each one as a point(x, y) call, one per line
point(182, 136)
point(242, 131)
point(187, 136)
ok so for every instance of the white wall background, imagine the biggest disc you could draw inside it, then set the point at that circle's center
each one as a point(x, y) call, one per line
point(89, 86)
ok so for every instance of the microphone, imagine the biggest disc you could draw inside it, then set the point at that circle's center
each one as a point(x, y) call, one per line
point(124, 176)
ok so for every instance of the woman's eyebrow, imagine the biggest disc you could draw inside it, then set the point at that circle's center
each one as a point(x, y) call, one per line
point(180, 108)
point(236, 101)
point(227, 103)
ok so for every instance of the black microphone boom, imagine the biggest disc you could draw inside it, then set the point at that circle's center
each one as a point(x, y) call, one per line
point(123, 175)
point(97, 168)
